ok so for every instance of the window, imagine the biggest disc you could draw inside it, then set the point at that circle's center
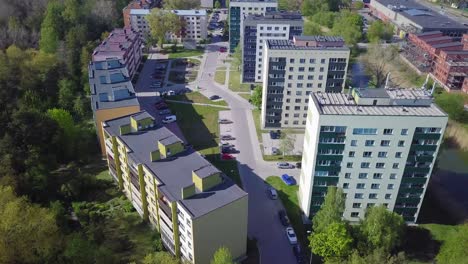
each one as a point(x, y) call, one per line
point(365, 165)
point(302, 60)
point(312, 61)
point(367, 154)
point(398, 155)
point(382, 154)
point(385, 143)
point(291, 68)
point(392, 176)
point(395, 165)
point(377, 176)
point(347, 175)
point(345, 185)
point(322, 61)
point(354, 214)
point(372, 196)
point(369, 143)
point(388, 131)
point(401, 143)
point(370, 205)
point(388, 196)
point(301, 69)
point(375, 186)
point(349, 165)
point(380, 165)
point(290, 60)
point(353, 142)
point(365, 131)
point(351, 154)
point(360, 186)
point(362, 175)
point(358, 195)
point(404, 131)
point(311, 69)
point(356, 205)
point(390, 186)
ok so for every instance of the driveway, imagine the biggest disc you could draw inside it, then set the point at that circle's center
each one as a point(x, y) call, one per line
point(269, 143)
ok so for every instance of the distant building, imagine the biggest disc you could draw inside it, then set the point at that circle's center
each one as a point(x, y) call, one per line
point(259, 28)
point(239, 10)
point(137, 4)
point(194, 24)
point(123, 44)
point(193, 205)
point(378, 145)
point(292, 70)
point(412, 17)
point(112, 93)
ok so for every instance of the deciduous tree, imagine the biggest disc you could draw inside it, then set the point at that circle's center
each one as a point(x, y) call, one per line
point(376, 62)
point(222, 256)
point(162, 22)
point(181, 4)
point(334, 242)
point(455, 249)
point(159, 258)
point(256, 98)
point(348, 25)
point(287, 142)
point(331, 211)
point(379, 30)
point(51, 28)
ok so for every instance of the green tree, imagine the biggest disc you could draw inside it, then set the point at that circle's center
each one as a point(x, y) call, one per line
point(65, 121)
point(376, 62)
point(348, 25)
point(358, 5)
point(256, 97)
point(28, 233)
point(454, 250)
point(79, 249)
point(217, 4)
point(161, 22)
point(453, 104)
point(237, 58)
point(379, 30)
point(333, 243)
point(311, 7)
point(289, 5)
point(376, 256)
point(222, 256)
point(160, 258)
point(331, 211)
point(51, 28)
point(287, 142)
point(66, 94)
point(181, 4)
point(382, 229)
point(311, 28)
point(325, 19)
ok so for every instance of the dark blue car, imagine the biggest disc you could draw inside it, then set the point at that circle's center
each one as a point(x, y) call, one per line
point(289, 180)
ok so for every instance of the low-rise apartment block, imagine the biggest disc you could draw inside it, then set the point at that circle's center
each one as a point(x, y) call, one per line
point(112, 93)
point(239, 10)
point(123, 44)
point(292, 70)
point(194, 206)
point(194, 24)
point(137, 4)
point(260, 28)
point(379, 145)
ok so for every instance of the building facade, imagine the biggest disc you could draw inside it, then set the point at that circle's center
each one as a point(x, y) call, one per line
point(122, 44)
point(194, 24)
point(239, 10)
point(258, 29)
point(292, 70)
point(137, 4)
point(193, 205)
point(112, 93)
point(379, 145)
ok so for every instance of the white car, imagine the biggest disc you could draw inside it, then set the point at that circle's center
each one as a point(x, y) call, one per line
point(291, 235)
point(169, 119)
point(273, 194)
point(284, 165)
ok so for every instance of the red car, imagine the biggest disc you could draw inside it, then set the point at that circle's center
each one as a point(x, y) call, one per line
point(227, 156)
point(161, 105)
point(222, 49)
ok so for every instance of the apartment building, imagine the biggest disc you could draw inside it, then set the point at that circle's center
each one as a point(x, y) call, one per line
point(292, 70)
point(123, 44)
point(194, 206)
point(379, 145)
point(260, 28)
point(194, 24)
point(239, 10)
point(112, 93)
point(137, 4)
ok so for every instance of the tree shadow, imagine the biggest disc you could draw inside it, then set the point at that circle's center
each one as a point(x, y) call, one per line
point(418, 244)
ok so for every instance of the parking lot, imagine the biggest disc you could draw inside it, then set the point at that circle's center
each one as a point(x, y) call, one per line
point(269, 144)
point(227, 129)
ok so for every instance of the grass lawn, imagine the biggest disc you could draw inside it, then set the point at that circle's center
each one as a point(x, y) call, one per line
point(245, 96)
point(288, 196)
point(235, 84)
point(196, 97)
point(220, 77)
point(295, 158)
point(182, 53)
point(199, 124)
point(256, 116)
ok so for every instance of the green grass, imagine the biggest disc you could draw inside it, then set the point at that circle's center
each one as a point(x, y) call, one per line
point(295, 158)
point(220, 77)
point(196, 97)
point(104, 175)
point(440, 232)
point(235, 84)
point(256, 116)
point(288, 196)
point(182, 53)
point(245, 96)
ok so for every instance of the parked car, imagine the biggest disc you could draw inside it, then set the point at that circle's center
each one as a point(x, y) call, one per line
point(215, 97)
point(165, 112)
point(274, 151)
point(283, 218)
point(222, 49)
point(227, 137)
point(171, 93)
point(161, 105)
point(275, 134)
point(272, 193)
point(291, 235)
point(169, 119)
point(289, 180)
point(299, 253)
point(224, 121)
point(284, 165)
point(228, 150)
point(226, 156)
point(226, 144)
point(298, 165)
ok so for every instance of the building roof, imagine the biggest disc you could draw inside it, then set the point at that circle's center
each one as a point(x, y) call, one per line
point(117, 43)
point(281, 44)
point(449, 44)
point(142, 12)
point(192, 12)
point(421, 15)
point(320, 38)
point(175, 172)
point(428, 33)
point(206, 170)
point(275, 16)
point(345, 104)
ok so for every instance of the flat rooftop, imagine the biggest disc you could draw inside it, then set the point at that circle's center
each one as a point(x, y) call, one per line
point(320, 38)
point(344, 104)
point(281, 44)
point(275, 16)
point(175, 172)
point(422, 15)
point(193, 12)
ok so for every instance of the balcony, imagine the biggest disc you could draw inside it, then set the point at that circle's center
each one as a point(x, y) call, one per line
point(165, 208)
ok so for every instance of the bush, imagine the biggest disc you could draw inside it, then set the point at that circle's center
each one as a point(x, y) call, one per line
point(453, 105)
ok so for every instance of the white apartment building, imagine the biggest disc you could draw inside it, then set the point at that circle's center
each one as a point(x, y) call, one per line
point(379, 145)
point(194, 24)
point(292, 70)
